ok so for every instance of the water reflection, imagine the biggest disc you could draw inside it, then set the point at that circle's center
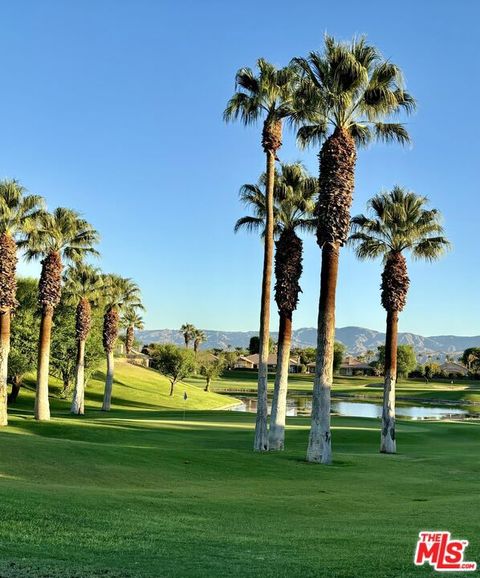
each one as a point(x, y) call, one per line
point(301, 405)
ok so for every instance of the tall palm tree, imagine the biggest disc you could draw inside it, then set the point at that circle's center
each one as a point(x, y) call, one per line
point(399, 222)
point(198, 338)
point(187, 330)
point(293, 210)
point(83, 287)
point(17, 212)
point(131, 320)
point(58, 236)
point(348, 92)
point(268, 95)
point(120, 293)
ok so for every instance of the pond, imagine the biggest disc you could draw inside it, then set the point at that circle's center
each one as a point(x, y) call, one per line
point(302, 405)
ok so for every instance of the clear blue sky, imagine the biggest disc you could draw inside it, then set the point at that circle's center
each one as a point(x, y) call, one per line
point(114, 107)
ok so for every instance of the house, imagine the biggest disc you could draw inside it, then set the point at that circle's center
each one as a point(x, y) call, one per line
point(451, 368)
point(350, 366)
point(137, 358)
point(251, 362)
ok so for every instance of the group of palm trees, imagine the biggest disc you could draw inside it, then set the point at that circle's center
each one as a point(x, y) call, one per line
point(339, 99)
point(192, 335)
point(57, 238)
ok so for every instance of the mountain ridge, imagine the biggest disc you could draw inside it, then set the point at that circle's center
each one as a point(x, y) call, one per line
point(356, 339)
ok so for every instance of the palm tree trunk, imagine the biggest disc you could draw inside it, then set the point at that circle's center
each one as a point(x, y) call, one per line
point(261, 425)
point(276, 439)
point(42, 405)
point(79, 392)
point(320, 440)
point(5, 317)
point(388, 440)
point(107, 398)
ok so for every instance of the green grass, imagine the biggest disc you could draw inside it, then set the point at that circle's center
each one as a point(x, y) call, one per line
point(142, 492)
point(461, 391)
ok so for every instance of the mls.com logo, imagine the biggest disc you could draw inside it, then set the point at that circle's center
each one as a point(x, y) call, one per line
point(443, 553)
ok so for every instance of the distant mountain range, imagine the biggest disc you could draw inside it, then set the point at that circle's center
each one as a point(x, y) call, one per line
point(357, 340)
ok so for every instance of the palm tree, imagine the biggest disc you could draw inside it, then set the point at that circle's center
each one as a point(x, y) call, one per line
point(83, 286)
point(17, 212)
point(131, 320)
point(120, 293)
point(61, 235)
point(293, 210)
point(198, 338)
point(268, 95)
point(187, 330)
point(347, 93)
point(399, 222)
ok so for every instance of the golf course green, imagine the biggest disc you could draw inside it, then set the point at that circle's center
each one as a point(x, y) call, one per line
point(154, 489)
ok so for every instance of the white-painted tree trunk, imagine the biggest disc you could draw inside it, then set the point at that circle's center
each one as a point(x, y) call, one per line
point(320, 439)
point(79, 391)
point(107, 398)
point(261, 423)
point(4, 352)
point(388, 439)
point(276, 440)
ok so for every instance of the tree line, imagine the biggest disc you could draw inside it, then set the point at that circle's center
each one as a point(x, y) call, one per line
point(338, 99)
point(63, 242)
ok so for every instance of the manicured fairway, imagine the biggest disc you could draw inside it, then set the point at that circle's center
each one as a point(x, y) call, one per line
point(143, 492)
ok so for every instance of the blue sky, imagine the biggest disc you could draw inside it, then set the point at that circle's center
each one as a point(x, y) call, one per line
point(114, 107)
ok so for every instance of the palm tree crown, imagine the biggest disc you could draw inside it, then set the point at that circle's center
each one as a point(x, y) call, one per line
point(350, 87)
point(294, 195)
point(269, 94)
point(64, 232)
point(82, 281)
point(18, 211)
point(398, 222)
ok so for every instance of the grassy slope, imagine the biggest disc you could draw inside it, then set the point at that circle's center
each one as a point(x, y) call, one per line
point(144, 493)
point(371, 387)
point(136, 387)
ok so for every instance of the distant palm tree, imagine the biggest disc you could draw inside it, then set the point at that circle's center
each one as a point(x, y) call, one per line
point(347, 93)
point(61, 235)
point(17, 212)
point(120, 293)
point(198, 338)
point(187, 330)
point(131, 320)
point(293, 210)
point(268, 95)
point(83, 286)
point(399, 222)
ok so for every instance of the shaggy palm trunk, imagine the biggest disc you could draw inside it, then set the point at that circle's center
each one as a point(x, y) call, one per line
point(320, 440)
point(395, 284)
point(42, 405)
point(276, 438)
point(129, 339)
point(4, 351)
point(8, 302)
point(336, 183)
point(78, 404)
point(288, 270)
point(82, 328)
point(50, 287)
point(110, 333)
point(388, 441)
